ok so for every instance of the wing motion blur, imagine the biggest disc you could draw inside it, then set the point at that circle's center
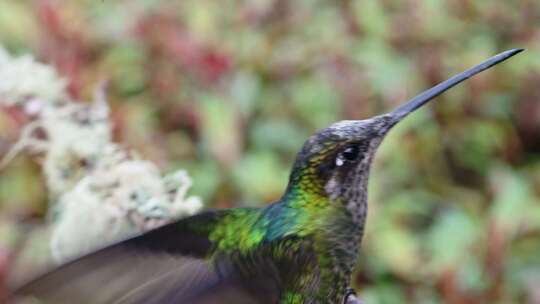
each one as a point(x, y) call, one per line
point(168, 265)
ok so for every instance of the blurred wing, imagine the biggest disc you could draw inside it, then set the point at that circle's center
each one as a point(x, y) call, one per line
point(166, 265)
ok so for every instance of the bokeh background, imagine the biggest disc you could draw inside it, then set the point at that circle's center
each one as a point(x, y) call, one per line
point(229, 90)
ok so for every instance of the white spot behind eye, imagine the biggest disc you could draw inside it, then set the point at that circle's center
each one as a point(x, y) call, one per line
point(339, 161)
point(331, 188)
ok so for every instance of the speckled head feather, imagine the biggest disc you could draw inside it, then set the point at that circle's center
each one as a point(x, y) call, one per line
point(334, 162)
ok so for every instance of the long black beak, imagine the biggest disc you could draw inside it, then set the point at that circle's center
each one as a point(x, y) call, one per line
point(421, 99)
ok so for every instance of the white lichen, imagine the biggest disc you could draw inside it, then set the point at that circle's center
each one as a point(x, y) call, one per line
point(24, 78)
point(125, 197)
point(99, 193)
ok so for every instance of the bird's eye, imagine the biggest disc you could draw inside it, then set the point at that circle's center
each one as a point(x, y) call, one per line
point(348, 154)
point(351, 153)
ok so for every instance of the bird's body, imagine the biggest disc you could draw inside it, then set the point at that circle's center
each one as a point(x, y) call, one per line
point(300, 249)
point(307, 243)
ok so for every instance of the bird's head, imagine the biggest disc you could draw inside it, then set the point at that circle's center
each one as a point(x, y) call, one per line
point(334, 163)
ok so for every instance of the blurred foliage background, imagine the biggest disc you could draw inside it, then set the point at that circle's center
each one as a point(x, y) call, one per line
point(229, 90)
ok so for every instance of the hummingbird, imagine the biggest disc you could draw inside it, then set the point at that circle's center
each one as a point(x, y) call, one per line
point(299, 249)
